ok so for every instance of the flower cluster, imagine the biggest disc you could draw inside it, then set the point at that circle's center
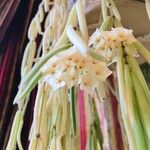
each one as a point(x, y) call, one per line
point(70, 68)
point(107, 42)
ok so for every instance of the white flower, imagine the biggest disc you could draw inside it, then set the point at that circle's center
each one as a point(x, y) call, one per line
point(107, 42)
point(124, 35)
point(70, 68)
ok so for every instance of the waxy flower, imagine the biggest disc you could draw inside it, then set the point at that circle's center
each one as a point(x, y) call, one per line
point(107, 42)
point(70, 68)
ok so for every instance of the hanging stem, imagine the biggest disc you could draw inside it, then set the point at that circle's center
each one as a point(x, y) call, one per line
point(13, 135)
point(144, 111)
point(83, 134)
point(82, 21)
point(104, 9)
point(107, 24)
point(136, 69)
point(114, 9)
point(138, 127)
point(72, 110)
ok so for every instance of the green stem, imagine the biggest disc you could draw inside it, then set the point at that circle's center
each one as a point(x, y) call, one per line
point(129, 96)
point(138, 129)
point(96, 125)
point(107, 24)
point(104, 9)
point(13, 135)
point(25, 92)
point(19, 134)
point(136, 69)
point(92, 140)
point(72, 110)
point(138, 137)
point(144, 109)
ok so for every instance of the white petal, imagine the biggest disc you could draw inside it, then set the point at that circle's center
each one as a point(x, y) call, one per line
point(78, 42)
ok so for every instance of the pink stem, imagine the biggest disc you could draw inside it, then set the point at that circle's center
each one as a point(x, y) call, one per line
point(82, 119)
point(104, 125)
